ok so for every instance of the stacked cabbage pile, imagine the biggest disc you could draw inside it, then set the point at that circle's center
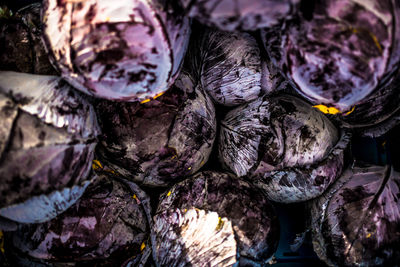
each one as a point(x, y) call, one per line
point(164, 133)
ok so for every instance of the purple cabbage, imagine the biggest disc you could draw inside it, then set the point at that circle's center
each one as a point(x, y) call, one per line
point(108, 226)
point(379, 112)
point(157, 142)
point(357, 221)
point(119, 50)
point(230, 68)
point(21, 44)
point(47, 140)
point(337, 52)
point(214, 219)
point(248, 15)
point(231, 72)
point(285, 147)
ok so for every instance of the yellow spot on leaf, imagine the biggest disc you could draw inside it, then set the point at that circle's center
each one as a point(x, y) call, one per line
point(173, 157)
point(111, 171)
point(369, 235)
point(149, 99)
point(1, 242)
point(142, 246)
point(135, 198)
point(173, 150)
point(327, 110)
point(189, 168)
point(349, 112)
point(376, 41)
point(96, 165)
point(185, 210)
point(145, 101)
point(220, 224)
point(202, 163)
point(169, 193)
point(384, 143)
point(158, 95)
point(373, 36)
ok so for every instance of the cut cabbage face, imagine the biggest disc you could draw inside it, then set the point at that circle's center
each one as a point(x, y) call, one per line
point(126, 50)
point(338, 52)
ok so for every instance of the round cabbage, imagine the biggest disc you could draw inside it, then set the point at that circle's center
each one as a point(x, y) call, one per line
point(357, 221)
point(214, 219)
point(119, 50)
point(230, 68)
point(337, 52)
point(286, 147)
point(48, 133)
point(162, 140)
point(107, 226)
